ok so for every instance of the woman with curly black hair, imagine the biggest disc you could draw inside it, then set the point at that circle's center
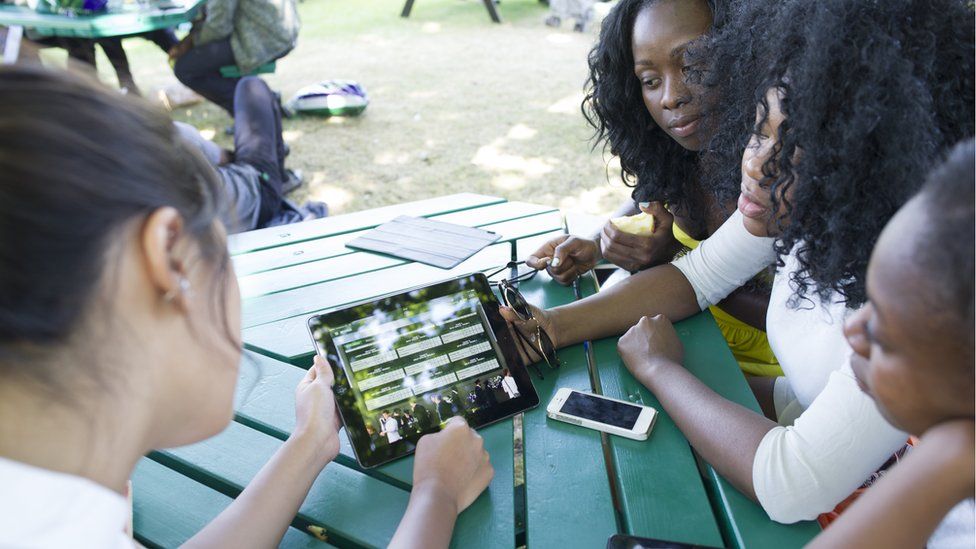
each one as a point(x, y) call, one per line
point(648, 113)
point(858, 101)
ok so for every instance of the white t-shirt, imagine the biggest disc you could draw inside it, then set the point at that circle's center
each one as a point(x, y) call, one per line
point(957, 530)
point(838, 438)
point(42, 508)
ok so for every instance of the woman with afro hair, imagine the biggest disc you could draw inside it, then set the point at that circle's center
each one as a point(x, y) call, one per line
point(647, 112)
point(856, 102)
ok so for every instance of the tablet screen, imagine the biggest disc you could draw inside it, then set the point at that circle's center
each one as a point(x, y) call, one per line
point(409, 362)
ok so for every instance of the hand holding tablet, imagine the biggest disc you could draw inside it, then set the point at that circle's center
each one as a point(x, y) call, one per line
point(407, 363)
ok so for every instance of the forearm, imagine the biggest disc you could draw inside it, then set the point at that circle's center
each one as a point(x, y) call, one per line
point(428, 521)
point(724, 433)
point(660, 290)
point(261, 514)
point(903, 508)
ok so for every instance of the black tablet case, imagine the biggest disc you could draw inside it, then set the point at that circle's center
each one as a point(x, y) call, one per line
point(436, 243)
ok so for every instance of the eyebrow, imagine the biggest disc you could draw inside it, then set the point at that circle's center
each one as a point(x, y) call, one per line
point(677, 51)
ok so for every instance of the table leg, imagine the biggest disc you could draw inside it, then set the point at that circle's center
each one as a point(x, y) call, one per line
point(406, 9)
point(11, 48)
point(490, 5)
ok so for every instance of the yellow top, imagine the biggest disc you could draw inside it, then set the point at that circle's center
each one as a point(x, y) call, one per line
point(748, 344)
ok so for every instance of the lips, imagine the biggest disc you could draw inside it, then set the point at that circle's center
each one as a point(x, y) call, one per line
point(685, 125)
point(750, 207)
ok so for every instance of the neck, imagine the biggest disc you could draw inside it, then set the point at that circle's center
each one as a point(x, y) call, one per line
point(98, 439)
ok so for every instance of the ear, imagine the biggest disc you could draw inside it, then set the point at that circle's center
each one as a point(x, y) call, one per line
point(165, 267)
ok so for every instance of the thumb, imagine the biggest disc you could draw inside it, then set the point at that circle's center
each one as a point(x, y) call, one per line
point(656, 210)
point(561, 254)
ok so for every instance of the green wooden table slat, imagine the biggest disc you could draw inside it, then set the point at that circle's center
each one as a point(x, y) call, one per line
point(747, 524)
point(661, 490)
point(338, 499)
point(324, 248)
point(131, 20)
point(169, 508)
point(354, 263)
point(567, 492)
point(330, 226)
point(265, 396)
point(312, 297)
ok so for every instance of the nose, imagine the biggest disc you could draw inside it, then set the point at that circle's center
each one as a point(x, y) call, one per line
point(676, 93)
point(752, 162)
point(854, 331)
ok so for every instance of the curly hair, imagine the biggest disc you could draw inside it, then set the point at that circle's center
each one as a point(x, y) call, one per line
point(650, 160)
point(873, 93)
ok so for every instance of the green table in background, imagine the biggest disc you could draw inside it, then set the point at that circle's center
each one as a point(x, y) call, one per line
point(129, 19)
point(558, 486)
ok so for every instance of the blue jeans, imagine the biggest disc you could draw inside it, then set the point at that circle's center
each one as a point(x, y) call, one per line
point(258, 142)
point(199, 70)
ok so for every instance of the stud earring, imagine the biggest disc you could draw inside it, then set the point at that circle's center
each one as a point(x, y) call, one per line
point(183, 287)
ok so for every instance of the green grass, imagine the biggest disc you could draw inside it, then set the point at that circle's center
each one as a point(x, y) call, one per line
point(458, 104)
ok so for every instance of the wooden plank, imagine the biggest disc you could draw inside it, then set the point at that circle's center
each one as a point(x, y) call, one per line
point(349, 282)
point(354, 263)
point(567, 488)
point(324, 248)
point(351, 506)
point(330, 226)
point(659, 486)
point(747, 525)
point(169, 508)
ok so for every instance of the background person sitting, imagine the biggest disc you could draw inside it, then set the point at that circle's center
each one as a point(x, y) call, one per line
point(245, 33)
point(254, 173)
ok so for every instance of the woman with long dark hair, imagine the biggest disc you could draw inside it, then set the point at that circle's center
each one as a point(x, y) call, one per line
point(856, 102)
point(649, 112)
point(120, 332)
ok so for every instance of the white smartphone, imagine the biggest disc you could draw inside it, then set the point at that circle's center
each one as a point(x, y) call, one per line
point(609, 415)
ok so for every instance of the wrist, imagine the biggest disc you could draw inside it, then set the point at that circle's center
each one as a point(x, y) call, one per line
point(653, 367)
point(434, 495)
point(317, 449)
point(598, 249)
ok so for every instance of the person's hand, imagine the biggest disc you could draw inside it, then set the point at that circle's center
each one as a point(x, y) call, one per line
point(635, 252)
point(566, 257)
point(541, 319)
point(317, 420)
point(648, 344)
point(453, 464)
point(180, 49)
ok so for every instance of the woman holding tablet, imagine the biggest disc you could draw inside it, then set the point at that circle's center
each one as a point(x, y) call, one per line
point(119, 332)
point(859, 101)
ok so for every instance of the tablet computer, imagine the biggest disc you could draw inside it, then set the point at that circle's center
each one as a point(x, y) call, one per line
point(406, 363)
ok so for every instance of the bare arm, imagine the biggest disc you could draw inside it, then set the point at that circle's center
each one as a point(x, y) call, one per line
point(451, 469)
point(261, 514)
point(428, 522)
point(659, 290)
point(907, 505)
point(726, 434)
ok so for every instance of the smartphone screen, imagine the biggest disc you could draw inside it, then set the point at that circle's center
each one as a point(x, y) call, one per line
point(602, 410)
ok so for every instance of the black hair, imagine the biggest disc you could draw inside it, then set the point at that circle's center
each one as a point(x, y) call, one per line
point(77, 163)
point(650, 160)
point(945, 244)
point(873, 93)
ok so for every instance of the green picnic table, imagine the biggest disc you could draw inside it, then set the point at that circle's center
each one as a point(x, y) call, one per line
point(555, 485)
point(130, 18)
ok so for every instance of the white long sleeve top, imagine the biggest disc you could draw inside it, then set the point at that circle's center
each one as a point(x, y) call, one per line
point(806, 468)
